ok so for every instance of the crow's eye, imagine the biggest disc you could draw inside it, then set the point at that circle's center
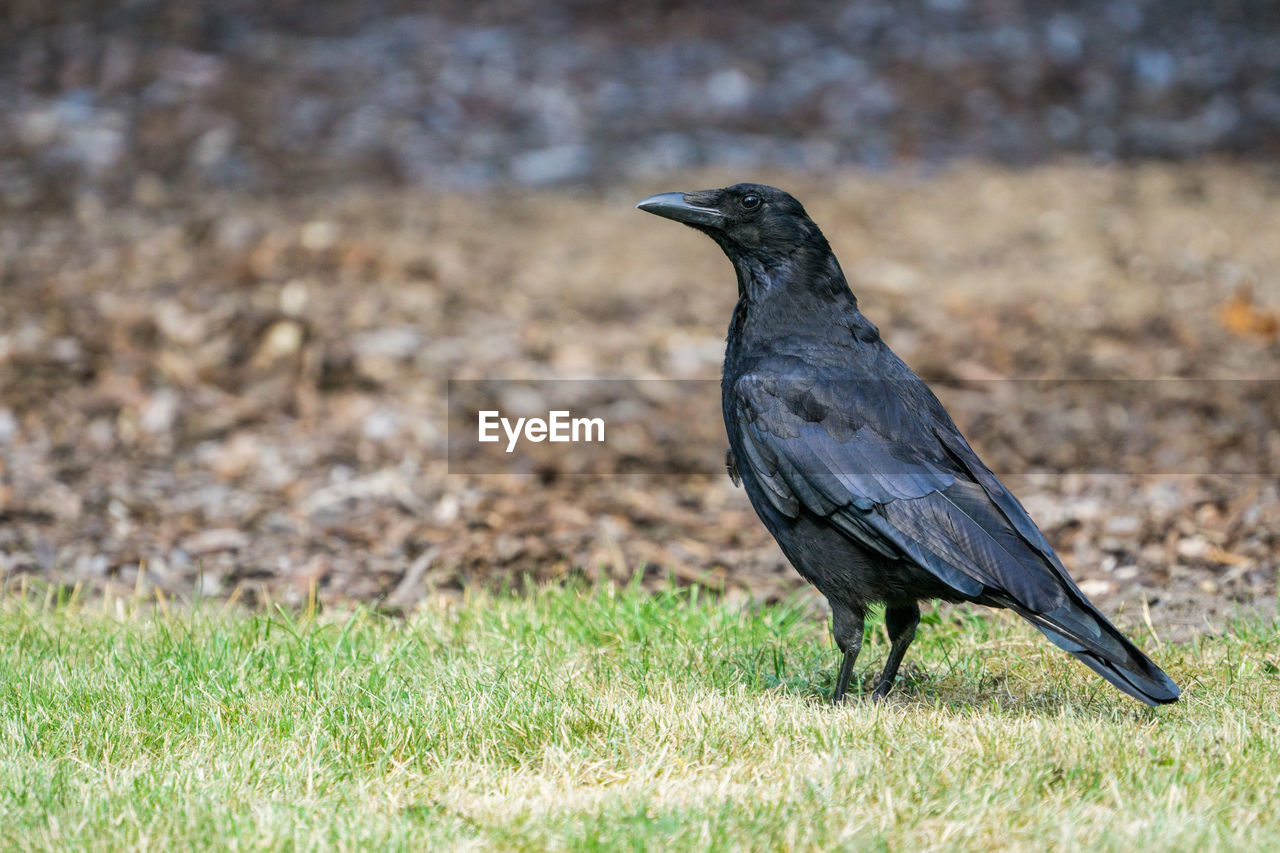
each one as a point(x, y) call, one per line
point(750, 202)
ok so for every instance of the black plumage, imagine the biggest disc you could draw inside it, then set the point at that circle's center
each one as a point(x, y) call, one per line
point(854, 466)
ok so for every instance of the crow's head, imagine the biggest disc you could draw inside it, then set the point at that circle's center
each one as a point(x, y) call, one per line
point(749, 221)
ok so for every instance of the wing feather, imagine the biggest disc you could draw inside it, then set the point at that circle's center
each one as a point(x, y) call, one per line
point(922, 496)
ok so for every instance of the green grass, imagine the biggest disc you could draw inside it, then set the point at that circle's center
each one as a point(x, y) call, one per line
point(611, 719)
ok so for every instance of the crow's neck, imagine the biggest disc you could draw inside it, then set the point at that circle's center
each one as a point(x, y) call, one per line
point(800, 287)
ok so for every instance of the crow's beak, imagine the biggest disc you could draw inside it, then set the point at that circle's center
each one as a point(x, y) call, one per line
point(674, 206)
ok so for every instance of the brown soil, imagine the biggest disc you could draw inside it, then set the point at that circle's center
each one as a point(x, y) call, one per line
point(247, 396)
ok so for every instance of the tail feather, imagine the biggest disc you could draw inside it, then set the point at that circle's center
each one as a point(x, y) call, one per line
point(1106, 651)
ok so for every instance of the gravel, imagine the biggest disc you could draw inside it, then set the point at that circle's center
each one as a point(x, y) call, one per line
point(134, 99)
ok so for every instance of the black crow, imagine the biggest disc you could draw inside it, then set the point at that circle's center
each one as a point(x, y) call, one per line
point(855, 467)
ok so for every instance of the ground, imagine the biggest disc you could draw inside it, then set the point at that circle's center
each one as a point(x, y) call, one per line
point(237, 397)
point(257, 592)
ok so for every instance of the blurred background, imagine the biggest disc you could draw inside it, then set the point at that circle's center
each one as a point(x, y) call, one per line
point(244, 245)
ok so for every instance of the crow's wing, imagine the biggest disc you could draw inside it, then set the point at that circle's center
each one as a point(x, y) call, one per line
point(882, 461)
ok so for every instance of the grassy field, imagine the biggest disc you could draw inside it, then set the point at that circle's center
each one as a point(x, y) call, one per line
point(611, 719)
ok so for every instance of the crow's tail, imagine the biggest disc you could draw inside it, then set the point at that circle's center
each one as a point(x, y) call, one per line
point(1078, 628)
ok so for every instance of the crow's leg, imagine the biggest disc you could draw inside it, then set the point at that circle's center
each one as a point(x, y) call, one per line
point(901, 623)
point(848, 630)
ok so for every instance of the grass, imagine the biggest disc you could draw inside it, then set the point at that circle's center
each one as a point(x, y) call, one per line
point(583, 719)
